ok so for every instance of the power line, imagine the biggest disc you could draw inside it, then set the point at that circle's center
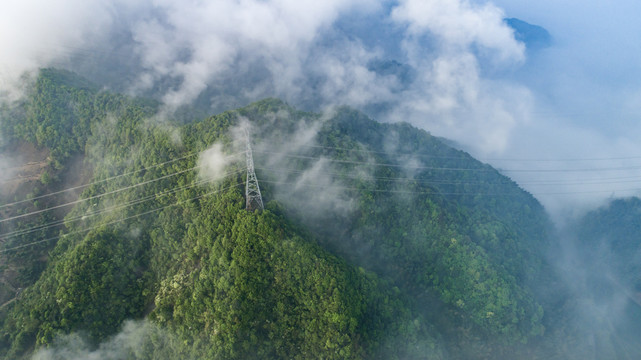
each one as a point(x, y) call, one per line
point(467, 156)
point(562, 159)
point(444, 193)
point(97, 182)
point(372, 163)
point(505, 181)
point(367, 177)
point(116, 221)
point(593, 182)
point(98, 196)
point(369, 189)
point(21, 232)
point(107, 193)
point(137, 201)
point(486, 168)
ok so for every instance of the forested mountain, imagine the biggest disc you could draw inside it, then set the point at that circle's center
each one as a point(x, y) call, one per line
point(376, 241)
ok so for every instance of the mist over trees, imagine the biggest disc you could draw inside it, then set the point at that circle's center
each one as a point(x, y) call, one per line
point(442, 179)
point(377, 241)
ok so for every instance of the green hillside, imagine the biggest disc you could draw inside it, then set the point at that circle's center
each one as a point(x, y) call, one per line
point(377, 241)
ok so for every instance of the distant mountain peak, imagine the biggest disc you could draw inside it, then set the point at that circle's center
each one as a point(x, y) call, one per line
point(534, 36)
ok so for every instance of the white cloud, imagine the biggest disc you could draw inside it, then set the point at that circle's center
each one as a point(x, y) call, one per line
point(196, 42)
point(450, 96)
point(213, 162)
point(460, 24)
point(35, 34)
point(137, 340)
point(469, 81)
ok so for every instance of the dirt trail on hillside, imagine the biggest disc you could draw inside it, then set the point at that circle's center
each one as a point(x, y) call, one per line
point(20, 165)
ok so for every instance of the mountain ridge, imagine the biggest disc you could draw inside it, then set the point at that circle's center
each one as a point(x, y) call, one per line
point(374, 236)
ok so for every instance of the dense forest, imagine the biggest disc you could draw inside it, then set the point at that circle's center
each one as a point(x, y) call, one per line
point(377, 241)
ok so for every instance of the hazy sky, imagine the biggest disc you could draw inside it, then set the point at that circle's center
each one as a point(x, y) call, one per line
point(468, 78)
point(587, 89)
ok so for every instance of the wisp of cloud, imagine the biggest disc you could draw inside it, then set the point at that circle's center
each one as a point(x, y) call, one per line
point(452, 67)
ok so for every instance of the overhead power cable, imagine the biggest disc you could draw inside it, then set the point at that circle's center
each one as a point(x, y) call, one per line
point(339, 187)
point(505, 181)
point(98, 181)
point(370, 163)
point(487, 168)
point(470, 156)
point(21, 232)
point(117, 221)
point(98, 196)
point(104, 194)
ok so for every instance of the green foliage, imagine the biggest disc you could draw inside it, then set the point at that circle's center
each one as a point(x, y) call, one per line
point(408, 264)
point(403, 230)
point(259, 291)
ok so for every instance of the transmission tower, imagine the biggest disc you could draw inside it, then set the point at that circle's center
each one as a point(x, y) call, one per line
point(252, 191)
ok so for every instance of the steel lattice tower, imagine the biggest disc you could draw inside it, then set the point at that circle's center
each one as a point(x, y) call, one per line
point(252, 191)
